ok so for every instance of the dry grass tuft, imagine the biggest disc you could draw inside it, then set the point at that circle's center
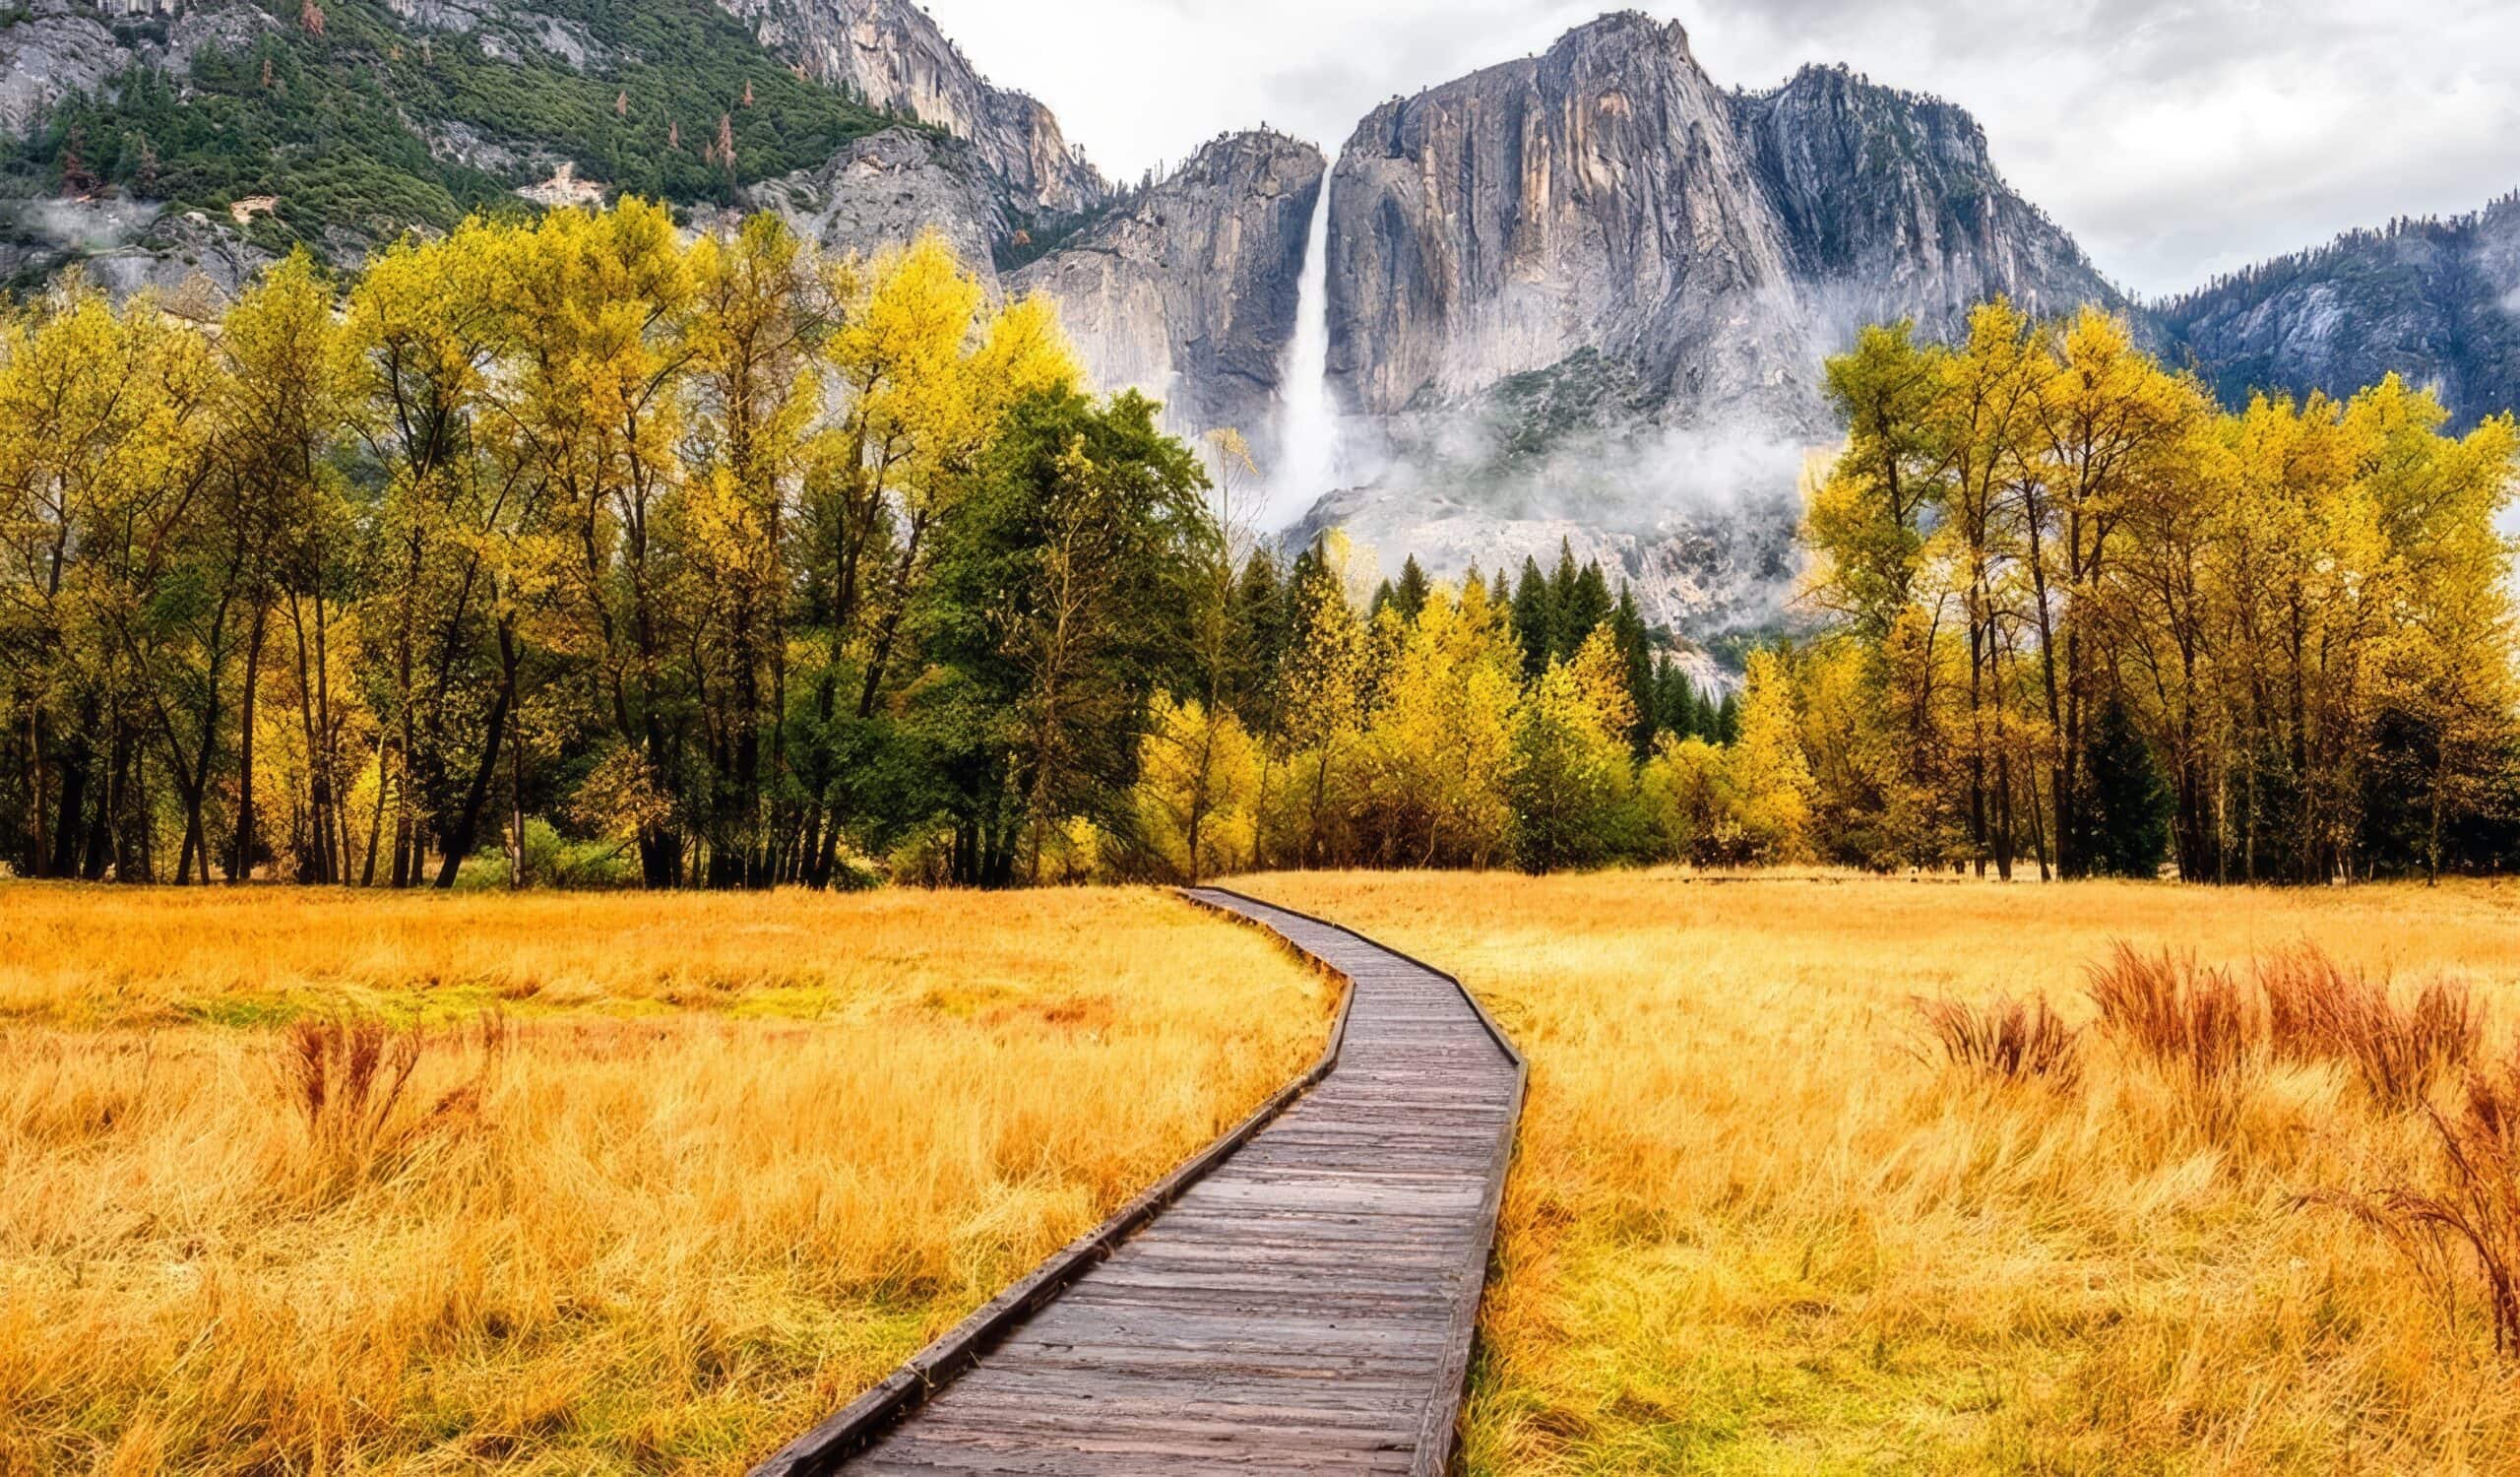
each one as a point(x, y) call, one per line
point(2320, 1010)
point(2008, 1038)
point(2300, 1006)
point(2167, 1007)
point(2468, 1220)
point(346, 1077)
point(349, 1079)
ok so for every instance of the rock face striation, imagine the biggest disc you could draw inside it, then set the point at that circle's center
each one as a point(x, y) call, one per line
point(1592, 288)
point(1891, 207)
point(1608, 199)
point(1595, 197)
point(891, 54)
point(2436, 303)
point(885, 189)
point(1188, 292)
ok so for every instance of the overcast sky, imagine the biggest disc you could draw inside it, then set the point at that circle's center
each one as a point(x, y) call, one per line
point(2174, 138)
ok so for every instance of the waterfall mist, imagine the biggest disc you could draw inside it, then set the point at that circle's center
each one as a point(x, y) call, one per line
point(1309, 451)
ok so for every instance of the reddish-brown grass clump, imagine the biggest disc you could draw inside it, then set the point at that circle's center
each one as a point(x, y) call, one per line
point(2007, 1038)
point(2214, 1024)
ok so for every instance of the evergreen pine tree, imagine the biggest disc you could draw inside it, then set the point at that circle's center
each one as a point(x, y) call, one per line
point(1636, 654)
point(1674, 701)
point(1564, 635)
point(1584, 612)
point(1410, 594)
point(1534, 618)
point(2128, 806)
point(1261, 618)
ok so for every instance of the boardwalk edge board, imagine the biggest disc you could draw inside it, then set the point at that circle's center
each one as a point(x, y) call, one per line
point(857, 1425)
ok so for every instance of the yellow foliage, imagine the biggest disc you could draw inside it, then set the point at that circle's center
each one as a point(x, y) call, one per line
point(1198, 789)
point(1438, 741)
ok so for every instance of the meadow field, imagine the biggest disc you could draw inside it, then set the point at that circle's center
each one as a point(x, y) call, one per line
point(313, 1181)
point(1762, 1222)
point(307, 1181)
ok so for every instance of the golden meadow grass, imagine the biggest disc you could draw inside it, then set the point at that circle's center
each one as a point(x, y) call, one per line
point(670, 1179)
point(1760, 1224)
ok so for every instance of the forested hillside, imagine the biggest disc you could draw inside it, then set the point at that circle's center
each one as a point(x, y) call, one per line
point(346, 123)
point(2435, 301)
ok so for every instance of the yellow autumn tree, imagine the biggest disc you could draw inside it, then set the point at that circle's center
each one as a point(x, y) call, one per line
point(1198, 787)
point(1770, 778)
point(923, 370)
point(292, 384)
point(1439, 742)
point(430, 323)
point(1326, 675)
point(1571, 782)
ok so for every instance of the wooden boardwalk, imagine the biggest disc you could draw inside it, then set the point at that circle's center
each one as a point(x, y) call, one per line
point(1298, 1299)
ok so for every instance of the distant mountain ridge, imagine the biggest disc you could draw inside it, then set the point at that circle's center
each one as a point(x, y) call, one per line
point(1581, 297)
point(2436, 301)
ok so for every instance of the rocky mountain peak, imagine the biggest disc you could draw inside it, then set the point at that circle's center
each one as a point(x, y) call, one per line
point(1593, 289)
point(1892, 206)
point(1625, 30)
point(892, 54)
point(1595, 196)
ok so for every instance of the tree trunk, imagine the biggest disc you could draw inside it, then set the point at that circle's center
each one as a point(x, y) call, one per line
point(517, 879)
point(241, 861)
point(375, 819)
point(476, 795)
point(68, 829)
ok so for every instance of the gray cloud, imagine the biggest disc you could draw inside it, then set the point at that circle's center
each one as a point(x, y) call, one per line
point(2176, 138)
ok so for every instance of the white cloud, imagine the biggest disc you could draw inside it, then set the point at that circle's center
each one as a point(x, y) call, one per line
point(2176, 138)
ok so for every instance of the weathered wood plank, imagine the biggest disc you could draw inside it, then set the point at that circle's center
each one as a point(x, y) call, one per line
point(1298, 1298)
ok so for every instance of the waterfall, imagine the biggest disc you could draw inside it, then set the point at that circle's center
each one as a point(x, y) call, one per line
point(1307, 419)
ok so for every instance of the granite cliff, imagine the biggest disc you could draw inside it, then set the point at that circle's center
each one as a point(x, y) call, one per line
point(1188, 291)
point(1594, 289)
point(891, 55)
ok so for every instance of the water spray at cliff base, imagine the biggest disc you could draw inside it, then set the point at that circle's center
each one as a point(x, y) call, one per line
point(1308, 450)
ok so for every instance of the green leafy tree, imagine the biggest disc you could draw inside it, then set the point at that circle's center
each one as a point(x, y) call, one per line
point(1534, 618)
point(1056, 610)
